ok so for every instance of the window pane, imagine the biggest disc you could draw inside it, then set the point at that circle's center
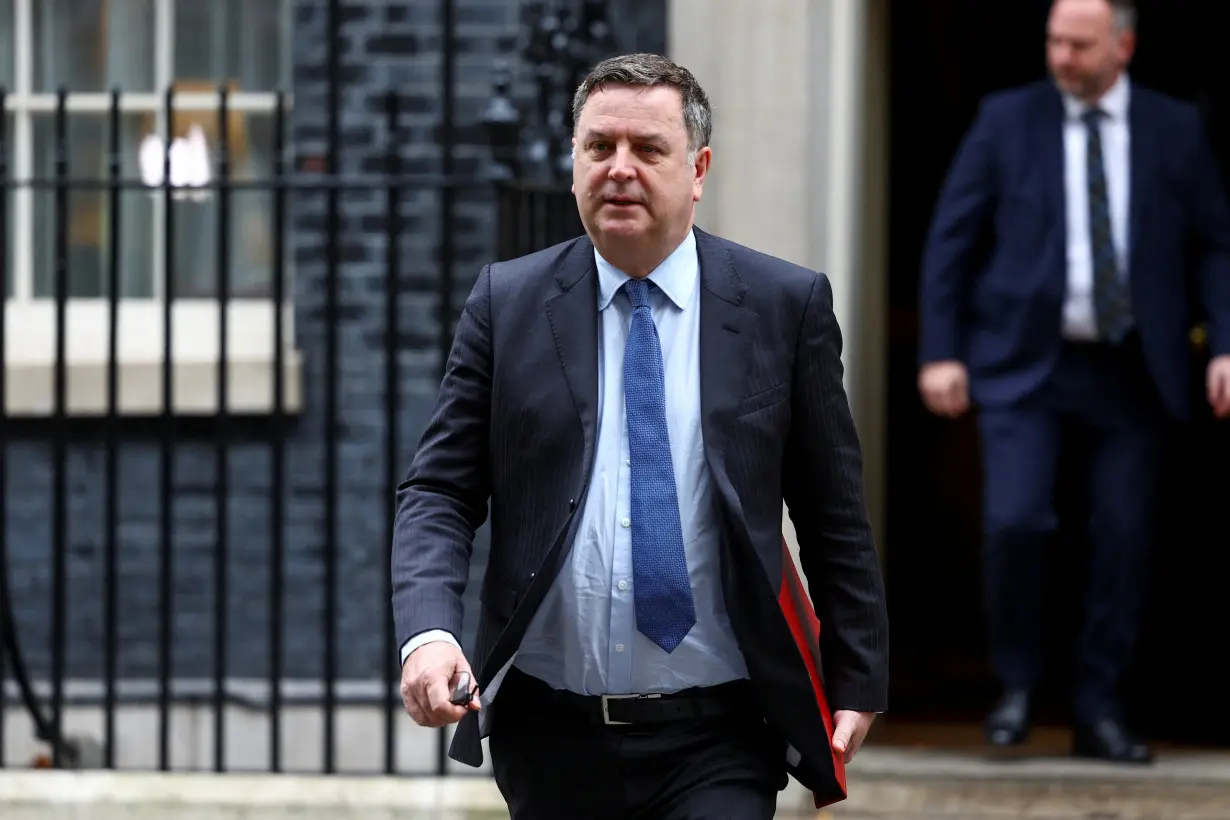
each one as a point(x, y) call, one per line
point(250, 222)
point(6, 43)
point(244, 42)
point(88, 212)
point(6, 222)
point(92, 45)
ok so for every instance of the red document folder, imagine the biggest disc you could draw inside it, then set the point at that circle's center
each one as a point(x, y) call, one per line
point(805, 627)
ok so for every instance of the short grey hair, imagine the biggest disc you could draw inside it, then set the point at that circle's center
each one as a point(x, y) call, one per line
point(1124, 12)
point(648, 70)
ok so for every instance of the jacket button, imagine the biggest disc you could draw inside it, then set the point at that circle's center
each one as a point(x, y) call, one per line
point(572, 503)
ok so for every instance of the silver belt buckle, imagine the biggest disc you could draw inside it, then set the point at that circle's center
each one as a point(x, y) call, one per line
point(606, 709)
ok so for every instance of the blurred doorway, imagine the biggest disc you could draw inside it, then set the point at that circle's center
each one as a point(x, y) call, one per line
point(945, 55)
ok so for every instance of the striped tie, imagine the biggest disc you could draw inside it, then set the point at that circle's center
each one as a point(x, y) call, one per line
point(1111, 296)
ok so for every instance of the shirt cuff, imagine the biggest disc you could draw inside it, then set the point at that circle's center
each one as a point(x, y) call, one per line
point(430, 636)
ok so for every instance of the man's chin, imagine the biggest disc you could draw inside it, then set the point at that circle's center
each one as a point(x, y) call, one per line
point(622, 228)
point(1073, 88)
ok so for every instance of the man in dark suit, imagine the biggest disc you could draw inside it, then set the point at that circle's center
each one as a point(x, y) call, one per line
point(635, 405)
point(1080, 221)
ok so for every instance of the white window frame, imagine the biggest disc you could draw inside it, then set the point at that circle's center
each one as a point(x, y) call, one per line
point(31, 323)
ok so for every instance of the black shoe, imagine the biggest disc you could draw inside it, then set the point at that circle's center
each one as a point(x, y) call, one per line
point(1008, 722)
point(1109, 739)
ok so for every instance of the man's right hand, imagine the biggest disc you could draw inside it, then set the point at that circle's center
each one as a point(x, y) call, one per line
point(427, 680)
point(944, 387)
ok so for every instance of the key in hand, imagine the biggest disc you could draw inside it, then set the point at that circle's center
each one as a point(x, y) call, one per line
point(462, 693)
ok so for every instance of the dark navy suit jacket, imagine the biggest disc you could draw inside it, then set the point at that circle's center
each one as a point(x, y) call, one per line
point(995, 265)
point(514, 430)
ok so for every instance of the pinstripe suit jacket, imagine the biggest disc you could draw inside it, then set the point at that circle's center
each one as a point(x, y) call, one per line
point(515, 425)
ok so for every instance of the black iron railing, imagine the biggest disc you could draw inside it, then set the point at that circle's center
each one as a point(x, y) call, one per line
point(62, 427)
point(533, 209)
point(532, 216)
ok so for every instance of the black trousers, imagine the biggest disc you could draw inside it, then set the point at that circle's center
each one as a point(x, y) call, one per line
point(553, 765)
point(1105, 395)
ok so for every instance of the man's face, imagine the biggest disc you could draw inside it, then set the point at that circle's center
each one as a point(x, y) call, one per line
point(631, 175)
point(1085, 51)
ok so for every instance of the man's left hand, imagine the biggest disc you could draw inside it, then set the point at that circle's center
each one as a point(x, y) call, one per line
point(1218, 384)
point(850, 731)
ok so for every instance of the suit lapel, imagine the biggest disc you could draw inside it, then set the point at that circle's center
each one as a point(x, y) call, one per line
point(1140, 172)
point(726, 344)
point(1049, 139)
point(573, 314)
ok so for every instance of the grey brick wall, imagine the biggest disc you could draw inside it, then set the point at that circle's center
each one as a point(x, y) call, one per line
point(387, 45)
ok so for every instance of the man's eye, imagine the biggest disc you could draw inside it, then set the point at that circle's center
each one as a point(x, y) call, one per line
point(598, 146)
point(649, 149)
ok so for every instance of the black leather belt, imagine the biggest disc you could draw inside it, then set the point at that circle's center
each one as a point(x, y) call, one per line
point(630, 710)
point(1129, 343)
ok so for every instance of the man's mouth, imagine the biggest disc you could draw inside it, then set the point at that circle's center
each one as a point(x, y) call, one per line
point(621, 201)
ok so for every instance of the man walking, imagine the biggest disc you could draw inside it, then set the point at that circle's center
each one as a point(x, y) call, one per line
point(634, 406)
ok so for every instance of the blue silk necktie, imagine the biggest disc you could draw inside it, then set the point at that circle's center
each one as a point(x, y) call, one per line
point(663, 592)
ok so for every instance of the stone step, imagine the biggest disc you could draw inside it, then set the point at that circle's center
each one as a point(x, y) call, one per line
point(927, 785)
point(884, 783)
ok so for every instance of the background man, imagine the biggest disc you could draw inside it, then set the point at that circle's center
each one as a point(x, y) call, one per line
point(1079, 221)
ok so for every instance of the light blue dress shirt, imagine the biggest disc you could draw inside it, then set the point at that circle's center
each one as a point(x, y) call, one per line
point(583, 637)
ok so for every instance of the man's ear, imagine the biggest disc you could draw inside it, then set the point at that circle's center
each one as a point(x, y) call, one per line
point(704, 158)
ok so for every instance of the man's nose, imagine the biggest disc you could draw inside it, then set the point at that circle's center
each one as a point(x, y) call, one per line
point(622, 166)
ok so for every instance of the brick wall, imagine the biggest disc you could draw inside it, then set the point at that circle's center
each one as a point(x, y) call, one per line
point(386, 45)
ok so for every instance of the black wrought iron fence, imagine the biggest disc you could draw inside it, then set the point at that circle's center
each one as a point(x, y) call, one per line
point(109, 426)
point(532, 215)
point(105, 580)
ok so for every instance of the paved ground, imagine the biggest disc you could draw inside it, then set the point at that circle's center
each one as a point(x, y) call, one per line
point(126, 813)
point(885, 784)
